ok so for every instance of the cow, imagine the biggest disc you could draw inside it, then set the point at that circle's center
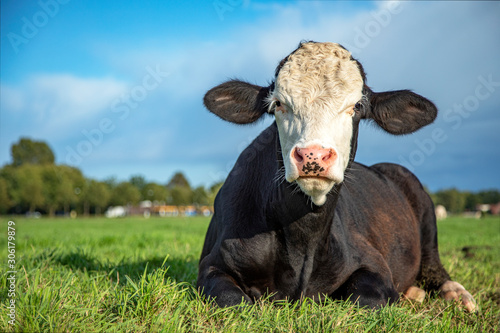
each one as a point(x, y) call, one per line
point(297, 217)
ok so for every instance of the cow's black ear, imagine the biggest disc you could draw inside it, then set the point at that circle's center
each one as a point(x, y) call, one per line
point(237, 101)
point(401, 111)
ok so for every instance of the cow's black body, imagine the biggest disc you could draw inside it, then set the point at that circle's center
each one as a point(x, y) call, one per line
point(368, 235)
point(373, 238)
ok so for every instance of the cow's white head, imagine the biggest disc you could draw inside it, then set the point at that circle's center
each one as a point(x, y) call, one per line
point(318, 97)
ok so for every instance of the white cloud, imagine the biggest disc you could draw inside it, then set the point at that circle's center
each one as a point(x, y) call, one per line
point(60, 101)
point(11, 99)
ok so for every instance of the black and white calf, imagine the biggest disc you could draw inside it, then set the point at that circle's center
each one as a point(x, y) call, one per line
point(284, 223)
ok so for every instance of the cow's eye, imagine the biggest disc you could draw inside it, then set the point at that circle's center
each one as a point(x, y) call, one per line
point(357, 106)
point(278, 106)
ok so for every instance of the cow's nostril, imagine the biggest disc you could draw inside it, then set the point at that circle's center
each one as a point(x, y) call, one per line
point(298, 156)
point(330, 155)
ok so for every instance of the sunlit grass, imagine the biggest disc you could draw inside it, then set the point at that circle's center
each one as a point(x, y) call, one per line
point(138, 275)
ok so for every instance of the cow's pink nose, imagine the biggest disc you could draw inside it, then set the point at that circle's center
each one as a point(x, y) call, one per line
point(314, 160)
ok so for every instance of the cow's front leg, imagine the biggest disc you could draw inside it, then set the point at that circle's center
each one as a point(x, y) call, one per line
point(221, 287)
point(367, 288)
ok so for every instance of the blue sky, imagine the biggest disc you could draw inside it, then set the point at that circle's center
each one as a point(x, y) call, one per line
point(116, 87)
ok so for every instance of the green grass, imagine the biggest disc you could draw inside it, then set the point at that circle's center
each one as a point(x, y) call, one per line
point(137, 275)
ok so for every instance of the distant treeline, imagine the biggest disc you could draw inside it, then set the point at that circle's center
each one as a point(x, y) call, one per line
point(33, 182)
point(457, 202)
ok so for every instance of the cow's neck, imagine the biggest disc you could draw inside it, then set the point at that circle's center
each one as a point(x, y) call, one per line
point(292, 208)
point(304, 232)
point(293, 212)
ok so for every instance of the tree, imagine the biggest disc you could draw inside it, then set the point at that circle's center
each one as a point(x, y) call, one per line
point(181, 196)
point(30, 186)
point(154, 192)
point(471, 201)
point(214, 189)
point(10, 175)
point(77, 181)
point(5, 201)
point(97, 194)
point(200, 196)
point(125, 194)
point(178, 179)
point(57, 189)
point(27, 151)
point(180, 190)
point(111, 182)
point(138, 181)
point(489, 197)
point(452, 199)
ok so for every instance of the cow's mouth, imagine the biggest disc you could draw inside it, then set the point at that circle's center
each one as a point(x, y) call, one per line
point(316, 187)
point(313, 178)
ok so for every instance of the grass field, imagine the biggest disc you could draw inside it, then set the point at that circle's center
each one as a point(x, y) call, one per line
point(137, 275)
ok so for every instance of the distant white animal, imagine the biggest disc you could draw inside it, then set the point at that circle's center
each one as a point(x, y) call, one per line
point(117, 211)
point(441, 213)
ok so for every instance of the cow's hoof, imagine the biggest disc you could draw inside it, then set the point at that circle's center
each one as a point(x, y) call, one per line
point(452, 290)
point(415, 294)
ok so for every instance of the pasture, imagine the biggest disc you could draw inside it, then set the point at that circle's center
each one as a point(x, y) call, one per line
point(138, 275)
